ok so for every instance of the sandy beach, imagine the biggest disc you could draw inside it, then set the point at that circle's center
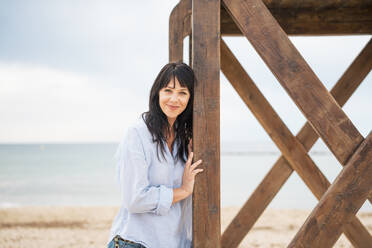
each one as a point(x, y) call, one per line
point(89, 227)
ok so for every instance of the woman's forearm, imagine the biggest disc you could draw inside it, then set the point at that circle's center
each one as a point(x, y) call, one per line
point(179, 194)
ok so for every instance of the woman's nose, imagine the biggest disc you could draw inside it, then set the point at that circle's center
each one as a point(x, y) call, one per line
point(174, 97)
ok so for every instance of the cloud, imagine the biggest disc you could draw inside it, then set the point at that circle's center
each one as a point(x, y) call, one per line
point(73, 71)
point(49, 105)
point(115, 38)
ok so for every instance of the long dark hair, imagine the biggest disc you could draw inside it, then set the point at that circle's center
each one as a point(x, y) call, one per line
point(155, 118)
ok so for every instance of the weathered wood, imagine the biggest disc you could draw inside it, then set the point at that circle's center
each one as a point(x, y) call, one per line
point(256, 204)
point(313, 17)
point(206, 122)
point(305, 18)
point(340, 203)
point(355, 74)
point(291, 148)
point(308, 17)
point(280, 172)
point(179, 28)
point(296, 76)
point(190, 49)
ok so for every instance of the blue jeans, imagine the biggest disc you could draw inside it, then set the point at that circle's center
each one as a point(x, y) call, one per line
point(123, 244)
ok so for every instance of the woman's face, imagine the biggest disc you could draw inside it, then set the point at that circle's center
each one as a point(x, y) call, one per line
point(173, 101)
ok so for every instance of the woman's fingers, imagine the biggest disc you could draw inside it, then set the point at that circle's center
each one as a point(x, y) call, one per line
point(193, 166)
point(196, 163)
point(189, 147)
point(188, 162)
point(197, 171)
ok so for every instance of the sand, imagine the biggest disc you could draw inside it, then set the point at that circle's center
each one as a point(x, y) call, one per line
point(89, 227)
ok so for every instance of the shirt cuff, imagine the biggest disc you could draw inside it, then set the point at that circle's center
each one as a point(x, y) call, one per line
point(165, 200)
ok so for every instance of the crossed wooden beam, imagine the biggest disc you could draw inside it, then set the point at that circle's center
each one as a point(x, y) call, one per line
point(339, 202)
point(294, 150)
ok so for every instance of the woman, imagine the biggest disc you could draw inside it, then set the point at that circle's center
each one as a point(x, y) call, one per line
point(155, 169)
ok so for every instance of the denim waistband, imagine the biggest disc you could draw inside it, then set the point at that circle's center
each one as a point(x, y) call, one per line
point(118, 237)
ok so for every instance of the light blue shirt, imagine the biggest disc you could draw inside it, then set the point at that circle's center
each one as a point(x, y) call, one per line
point(147, 215)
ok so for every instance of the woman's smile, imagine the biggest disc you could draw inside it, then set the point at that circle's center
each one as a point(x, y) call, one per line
point(172, 107)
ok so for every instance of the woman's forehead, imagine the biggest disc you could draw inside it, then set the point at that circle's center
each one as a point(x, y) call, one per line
point(176, 85)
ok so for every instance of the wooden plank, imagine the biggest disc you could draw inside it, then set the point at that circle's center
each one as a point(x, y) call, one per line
point(190, 49)
point(206, 122)
point(281, 170)
point(355, 74)
point(178, 29)
point(312, 18)
point(296, 76)
point(306, 17)
point(340, 203)
point(256, 204)
point(291, 148)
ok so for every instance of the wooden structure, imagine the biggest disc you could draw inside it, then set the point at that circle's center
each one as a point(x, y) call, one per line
point(266, 24)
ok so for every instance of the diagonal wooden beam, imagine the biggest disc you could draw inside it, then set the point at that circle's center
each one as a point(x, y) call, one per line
point(256, 204)
point(179, 28)
point(206, 122)
point(340, 203)
point(355, 74)
point(281, 170)
point(295, 75)
point(292, 149)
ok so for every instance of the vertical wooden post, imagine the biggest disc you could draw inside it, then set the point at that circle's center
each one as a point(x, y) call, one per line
point(206, 122)
point(178, 30)
point(190, 49)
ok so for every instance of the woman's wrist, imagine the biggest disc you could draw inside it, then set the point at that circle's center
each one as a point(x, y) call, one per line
point(179, 194)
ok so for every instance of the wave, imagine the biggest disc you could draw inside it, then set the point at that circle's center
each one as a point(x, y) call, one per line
point(9, 205)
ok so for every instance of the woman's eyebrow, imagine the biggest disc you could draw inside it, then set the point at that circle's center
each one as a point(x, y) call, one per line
point(174, 88)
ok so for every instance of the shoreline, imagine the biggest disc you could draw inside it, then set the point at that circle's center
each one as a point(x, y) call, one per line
point(89, 226)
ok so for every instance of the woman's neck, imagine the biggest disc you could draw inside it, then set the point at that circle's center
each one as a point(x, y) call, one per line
point(171, 122)
point(169, 134)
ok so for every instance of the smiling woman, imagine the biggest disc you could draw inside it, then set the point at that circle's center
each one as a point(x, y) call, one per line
point(173, 101)
point(157, 193)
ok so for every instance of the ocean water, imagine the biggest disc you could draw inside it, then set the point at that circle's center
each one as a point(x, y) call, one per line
point(84, 174)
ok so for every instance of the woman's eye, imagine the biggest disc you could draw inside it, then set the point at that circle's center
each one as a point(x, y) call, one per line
point(184, 93)
point(167, 90)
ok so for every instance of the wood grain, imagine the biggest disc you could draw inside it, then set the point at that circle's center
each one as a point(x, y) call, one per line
point(296, 76)
point(292, 150)
point(206, 122)
point(313, 17)
point(340, 203)
point(179, 28)
point(281, 170)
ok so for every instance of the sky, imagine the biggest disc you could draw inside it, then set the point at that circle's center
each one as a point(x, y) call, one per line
point(78, 71)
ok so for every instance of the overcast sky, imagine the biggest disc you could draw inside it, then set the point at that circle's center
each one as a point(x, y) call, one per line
point(81, 71)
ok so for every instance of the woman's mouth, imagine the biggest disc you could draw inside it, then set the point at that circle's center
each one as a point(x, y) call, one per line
point(172, 107)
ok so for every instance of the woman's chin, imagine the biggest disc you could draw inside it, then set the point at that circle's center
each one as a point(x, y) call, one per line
point(172, 116)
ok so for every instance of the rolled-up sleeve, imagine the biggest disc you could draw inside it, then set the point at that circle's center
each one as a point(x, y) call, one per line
point(137, 194)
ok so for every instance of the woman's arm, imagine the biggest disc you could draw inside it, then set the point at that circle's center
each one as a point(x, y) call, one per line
point(179, 194)
point(137, 194)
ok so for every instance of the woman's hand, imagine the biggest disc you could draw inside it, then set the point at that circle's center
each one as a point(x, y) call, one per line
point(189, 173)
point(189, 147)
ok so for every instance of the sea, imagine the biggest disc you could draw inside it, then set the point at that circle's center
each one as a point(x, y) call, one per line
point(84, 175)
